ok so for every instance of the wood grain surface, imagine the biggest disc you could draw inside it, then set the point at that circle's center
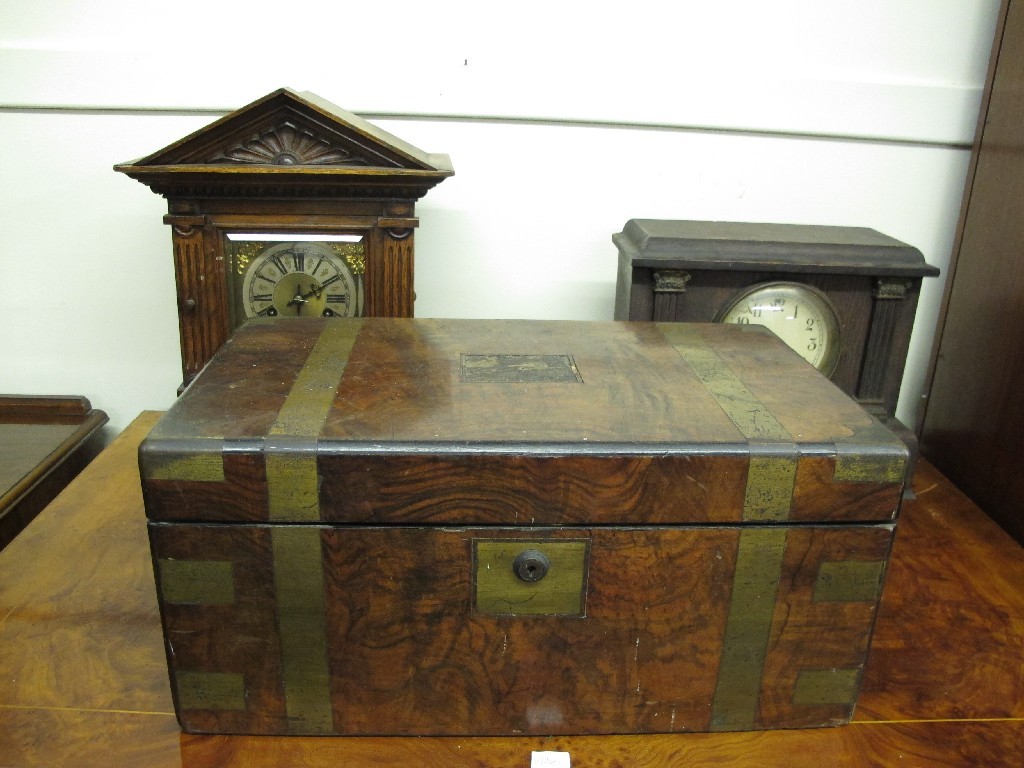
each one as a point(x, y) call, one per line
point(951, 624)
point(410, 653)
point(83, 679)
point(659, 427)
point(403, 384)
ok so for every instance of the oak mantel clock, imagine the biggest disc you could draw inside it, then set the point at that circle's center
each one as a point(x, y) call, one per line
point(288, 207)
point(843, 297)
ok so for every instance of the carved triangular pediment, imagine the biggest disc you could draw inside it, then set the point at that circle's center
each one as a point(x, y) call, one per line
point(291, 141)
point(289, 137)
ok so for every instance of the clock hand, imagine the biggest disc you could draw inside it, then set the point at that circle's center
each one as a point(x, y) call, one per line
point(317, 289)
point(313, 291)
point(330, 280)
point(298, 300)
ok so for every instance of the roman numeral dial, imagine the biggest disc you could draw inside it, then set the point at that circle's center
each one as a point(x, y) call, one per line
point(301, 279)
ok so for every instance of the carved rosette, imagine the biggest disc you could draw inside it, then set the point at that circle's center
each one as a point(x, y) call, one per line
point(288, 144)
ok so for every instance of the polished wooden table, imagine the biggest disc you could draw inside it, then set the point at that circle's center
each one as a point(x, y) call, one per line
point(83, 678)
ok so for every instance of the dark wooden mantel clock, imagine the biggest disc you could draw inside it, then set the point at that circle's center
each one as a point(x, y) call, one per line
point(288, 207)
point(842, 297)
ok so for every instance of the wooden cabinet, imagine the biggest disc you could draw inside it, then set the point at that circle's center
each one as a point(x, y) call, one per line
point(973, 427)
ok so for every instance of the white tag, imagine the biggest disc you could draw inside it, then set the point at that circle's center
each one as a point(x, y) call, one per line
point(549, 760)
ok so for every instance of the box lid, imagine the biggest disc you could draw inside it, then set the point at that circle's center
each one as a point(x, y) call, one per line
point(450, 422)
point(752, 246)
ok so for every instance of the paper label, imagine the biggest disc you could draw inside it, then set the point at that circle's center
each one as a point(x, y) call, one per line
point(549, 760)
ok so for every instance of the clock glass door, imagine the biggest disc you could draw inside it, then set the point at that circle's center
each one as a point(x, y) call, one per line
point(282, 275)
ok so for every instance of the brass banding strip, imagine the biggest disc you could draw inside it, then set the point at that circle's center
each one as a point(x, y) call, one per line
point(293, 496)
point(302, 626)
point(292, 480)
point(755, 583)
point(769, 493)
point(210, 690)
point(771, 474)
point(821, 687)
point(749, 414)
point(196, 582)
point(768, 497)
point(196, 467)
point(867, 457)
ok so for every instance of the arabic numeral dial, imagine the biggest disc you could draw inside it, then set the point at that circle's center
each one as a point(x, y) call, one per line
point(797, 313)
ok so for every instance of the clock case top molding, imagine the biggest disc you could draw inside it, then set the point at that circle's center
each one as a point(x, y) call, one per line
point(690, 271)
point(288, 163)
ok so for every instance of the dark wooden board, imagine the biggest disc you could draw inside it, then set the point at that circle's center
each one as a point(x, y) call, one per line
point(974, 419)
point(44, 442)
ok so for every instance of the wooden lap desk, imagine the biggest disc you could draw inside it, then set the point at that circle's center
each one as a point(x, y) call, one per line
point(44, 442)
point(83, 678)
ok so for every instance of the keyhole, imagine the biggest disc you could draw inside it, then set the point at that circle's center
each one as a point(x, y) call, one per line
point(531, 565)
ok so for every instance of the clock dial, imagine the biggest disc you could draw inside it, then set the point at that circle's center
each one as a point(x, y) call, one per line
point(299, 278)
point(798, 314)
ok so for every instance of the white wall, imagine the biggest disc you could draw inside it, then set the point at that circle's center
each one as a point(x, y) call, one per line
point(563, 122)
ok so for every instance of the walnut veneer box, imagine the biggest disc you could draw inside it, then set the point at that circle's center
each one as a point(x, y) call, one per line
point(396, 526)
